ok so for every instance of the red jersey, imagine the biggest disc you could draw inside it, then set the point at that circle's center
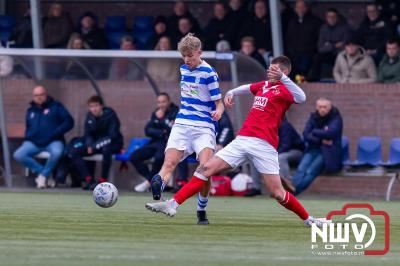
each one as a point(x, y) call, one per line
point(269, 108)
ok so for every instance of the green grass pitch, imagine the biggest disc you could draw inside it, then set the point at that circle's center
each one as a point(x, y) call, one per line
point(44, 228)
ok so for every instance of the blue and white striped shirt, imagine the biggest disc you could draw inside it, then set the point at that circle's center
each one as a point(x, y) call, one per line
point(199, 90)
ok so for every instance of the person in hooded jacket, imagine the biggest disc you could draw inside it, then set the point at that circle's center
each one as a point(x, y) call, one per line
point(323, 138)
point(102, 136)
point(47, 121)
point(158, 130)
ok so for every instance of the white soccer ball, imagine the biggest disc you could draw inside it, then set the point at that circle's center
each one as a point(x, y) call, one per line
point(105, 195)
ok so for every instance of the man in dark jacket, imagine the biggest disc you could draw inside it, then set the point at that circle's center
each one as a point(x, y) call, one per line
point(258, 26)
point(90, 32)
point(302, 37)
point(332, 38)
point(323, 138)
point(102, 136)
point(47, 121)
point(389, 67)
point(220, 27)
point(375, 30)
point(158, 130)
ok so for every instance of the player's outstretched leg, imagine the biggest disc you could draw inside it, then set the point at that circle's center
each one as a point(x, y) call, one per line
point(202, 197)
point(172, 158)
point(287, 200)
point(195, 184)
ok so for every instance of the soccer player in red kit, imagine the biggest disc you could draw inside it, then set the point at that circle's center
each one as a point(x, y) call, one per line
point(257, 140)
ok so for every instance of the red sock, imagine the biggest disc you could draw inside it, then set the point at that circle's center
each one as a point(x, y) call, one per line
point(291, 203)
point(194, 185)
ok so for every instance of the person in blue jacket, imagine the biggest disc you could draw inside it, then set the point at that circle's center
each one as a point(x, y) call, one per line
point(323, 138)
point(47, 121)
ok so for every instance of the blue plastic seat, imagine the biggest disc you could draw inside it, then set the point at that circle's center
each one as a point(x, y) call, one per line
point(115, 23)
point(134, 144)
point(369, 152)
point(4, 36)
point(394, 154)
point(7, 23)
point(114, 39)
point(345, 151)
point(143, 23)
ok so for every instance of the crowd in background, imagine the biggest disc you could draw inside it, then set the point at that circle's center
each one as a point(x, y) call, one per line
point(363, 54)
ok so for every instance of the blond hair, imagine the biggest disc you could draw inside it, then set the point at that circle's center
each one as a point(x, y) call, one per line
point(189, 43)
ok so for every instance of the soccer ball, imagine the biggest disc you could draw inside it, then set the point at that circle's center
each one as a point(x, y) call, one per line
point(105, 195)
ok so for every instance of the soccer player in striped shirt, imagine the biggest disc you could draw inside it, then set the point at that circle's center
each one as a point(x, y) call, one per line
point(194, 129)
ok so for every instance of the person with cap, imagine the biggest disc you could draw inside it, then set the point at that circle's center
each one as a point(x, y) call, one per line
point(354, 65)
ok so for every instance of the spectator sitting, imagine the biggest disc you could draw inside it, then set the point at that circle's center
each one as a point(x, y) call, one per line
point(160, 29)
point(290, 150)
point(181, 10)
point(302, 38)
point(323, 137)
point(74, 71)
point(47, 121)
point(354, 65)
point(90, 31)
point(125, 68)
point(389, 68)
point(375, 31)
point(163, 69)
point(102, 136)
point(220, 27)
point(258, 26)
point(248, 48)
point(57, 27)
point(332, 37)
point(158, 130)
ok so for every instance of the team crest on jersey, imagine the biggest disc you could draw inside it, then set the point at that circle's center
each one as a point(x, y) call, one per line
point(260, 102)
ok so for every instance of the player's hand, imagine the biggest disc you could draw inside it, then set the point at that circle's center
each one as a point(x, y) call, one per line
point(216, 115)
point(229, 100)
point(274, 73)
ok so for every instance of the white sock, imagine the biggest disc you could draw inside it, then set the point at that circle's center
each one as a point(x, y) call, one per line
point(202, 202)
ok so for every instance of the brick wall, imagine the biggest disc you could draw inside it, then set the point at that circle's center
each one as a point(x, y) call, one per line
point(367, 110)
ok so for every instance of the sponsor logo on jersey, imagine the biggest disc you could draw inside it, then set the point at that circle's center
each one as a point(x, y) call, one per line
point(260, 102)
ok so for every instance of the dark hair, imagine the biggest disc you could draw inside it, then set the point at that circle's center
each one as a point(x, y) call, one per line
point(164, 94)
point(392, 41)
point(333, 10)
point(283, 61)
point(248, 39)
point(95, 99)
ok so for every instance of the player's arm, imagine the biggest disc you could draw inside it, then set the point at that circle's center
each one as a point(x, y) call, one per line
point(297, 93)
point(241, 90)
point(219, 110)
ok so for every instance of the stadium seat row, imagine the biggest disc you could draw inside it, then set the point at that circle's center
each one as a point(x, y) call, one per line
point(7, 23)
point(369, 152)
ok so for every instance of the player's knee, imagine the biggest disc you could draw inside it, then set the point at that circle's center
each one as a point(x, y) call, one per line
point(277, 193)
point(169, 165)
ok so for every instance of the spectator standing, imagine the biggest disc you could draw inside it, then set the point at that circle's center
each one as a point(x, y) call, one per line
point(238, 14)
point(57, 27)
point(354, 65)
point(220, 27)
point(302, 38)
point(332, 37)
point(258, 26)
point(158, 130)
point(375, 31)
point(389, 68)
point(47, 121)
point(185, 26)
point(163, 69)
point(181, 10)
point(102, 136)
point(160, 29)
point(90, 32)
point(248, 48)
point(125, 68)
point(287, 14)
point(390, 10)
point(323, 137)
point(22, 32)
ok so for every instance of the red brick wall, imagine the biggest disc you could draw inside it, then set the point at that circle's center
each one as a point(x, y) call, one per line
point(367, 110)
